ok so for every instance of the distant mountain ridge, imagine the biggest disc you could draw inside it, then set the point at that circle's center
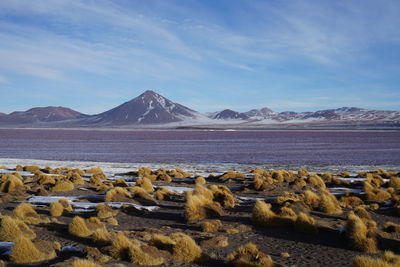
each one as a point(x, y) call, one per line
point(152, 109)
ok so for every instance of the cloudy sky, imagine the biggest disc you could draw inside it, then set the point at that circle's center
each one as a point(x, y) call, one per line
point(206, 54)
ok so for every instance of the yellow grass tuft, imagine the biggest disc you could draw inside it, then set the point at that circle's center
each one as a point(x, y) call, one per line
point(101, 236)
point(146, 184)
point(311, 199)
point(63, 186)
point(26, 213)
point(78, 227)
point(211, 226)
point(248, 255)
point(389, 259)
point(162, 242)
point(223, 195)
point(329, 204)
point(185, 249)
point(317, 181)
point(11, 229)
point(84, 263)
point(305, 224)
point(163, 194)
point(144, 255)
point(112, 221)
point(360, 237)
point(285, 255)
point(262, 214)
point(104, 211)
point(302, 172)
point(120, 247)
point(31, 168)
point(10, 182)
point(25, 251)
point(216, 241)
point(233, 175)
point(198, 207)
point(56, 209)
point(395, 182)
point(117, 194)
point(200, 180)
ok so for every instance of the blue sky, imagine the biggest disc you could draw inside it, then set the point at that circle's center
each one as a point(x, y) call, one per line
point(206, 54)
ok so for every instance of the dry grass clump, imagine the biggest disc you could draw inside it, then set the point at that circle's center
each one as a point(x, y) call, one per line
point(311, 199)
point(200, 180)
point(117, 194)
point(84, 263)
point(31, 168)
point(60, 207)
point(146, 184)
point(288, 197)
point(391, 227)
point(199, 207)
point(211, 226)
point(84, 228)
point(11, 229)
point(317, 181)
point(389, 259)
point(25, 251)
point(10, 182)
point(285, 255)
point(26, 213)
point(232, 175)
point(263, 215)
point(305, 224)
point(164, 194)
point(145, 255)
point(112, 221)
point(120, 183)
point(144, 172)
point(120, 247)
point(302, 172)
point(394, 182)
point(63, 186)
point(350, 201)
point(104, 211)
point(75, 178)
point(361, 234)
point(216, 241)
point(101, 236)
point(361, 212)
point(185, 248)
point(142, 196)
point(329, 204)
point(248, 255)
point(223, 195)
point(373, 192)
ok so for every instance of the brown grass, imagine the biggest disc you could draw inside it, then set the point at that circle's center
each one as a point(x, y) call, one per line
point(104, 211)
point(120, 247)
point(11, 229)
point(63, 186)
point(395, 182)
point(317, 181)
point(329, 204)
point(144, 255)
point(101, 236)
point(84, 263)
point(211, 226)
point(305, 224)
point(185, 249)
point(360, 237)
point(311, 199)
point(26, 213)
point(248, 255)
point(25, 251)
point(146, 184)
point(200, 180)
point(10, 182)
point(198, 207)
point(223, 195)
point(216, 241)
point(389, 259)
point(117, 194)
point(232, 175)
point(78, 227)
point(163, 194)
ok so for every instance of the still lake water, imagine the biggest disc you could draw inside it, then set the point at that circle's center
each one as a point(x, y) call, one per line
point(296, 148)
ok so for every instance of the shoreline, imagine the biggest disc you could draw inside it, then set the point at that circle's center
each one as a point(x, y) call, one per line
point(120, 167)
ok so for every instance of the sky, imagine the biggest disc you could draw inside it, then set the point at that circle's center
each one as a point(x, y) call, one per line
point(209, 55)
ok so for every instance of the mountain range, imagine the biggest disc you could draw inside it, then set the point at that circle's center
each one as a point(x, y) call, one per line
point(150, 110)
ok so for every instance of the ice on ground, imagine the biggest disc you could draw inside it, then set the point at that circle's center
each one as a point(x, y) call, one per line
point(6, 248)
point(351, 190)
point(254, 199)
point(176, 189)
point(71, 249)
point(49, 199)
point(22, 173)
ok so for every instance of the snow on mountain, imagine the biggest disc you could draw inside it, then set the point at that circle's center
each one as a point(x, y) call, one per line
point(228, 114)
point(147, 108)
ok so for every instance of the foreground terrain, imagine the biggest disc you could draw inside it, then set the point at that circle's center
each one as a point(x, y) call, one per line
point(171, 217)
